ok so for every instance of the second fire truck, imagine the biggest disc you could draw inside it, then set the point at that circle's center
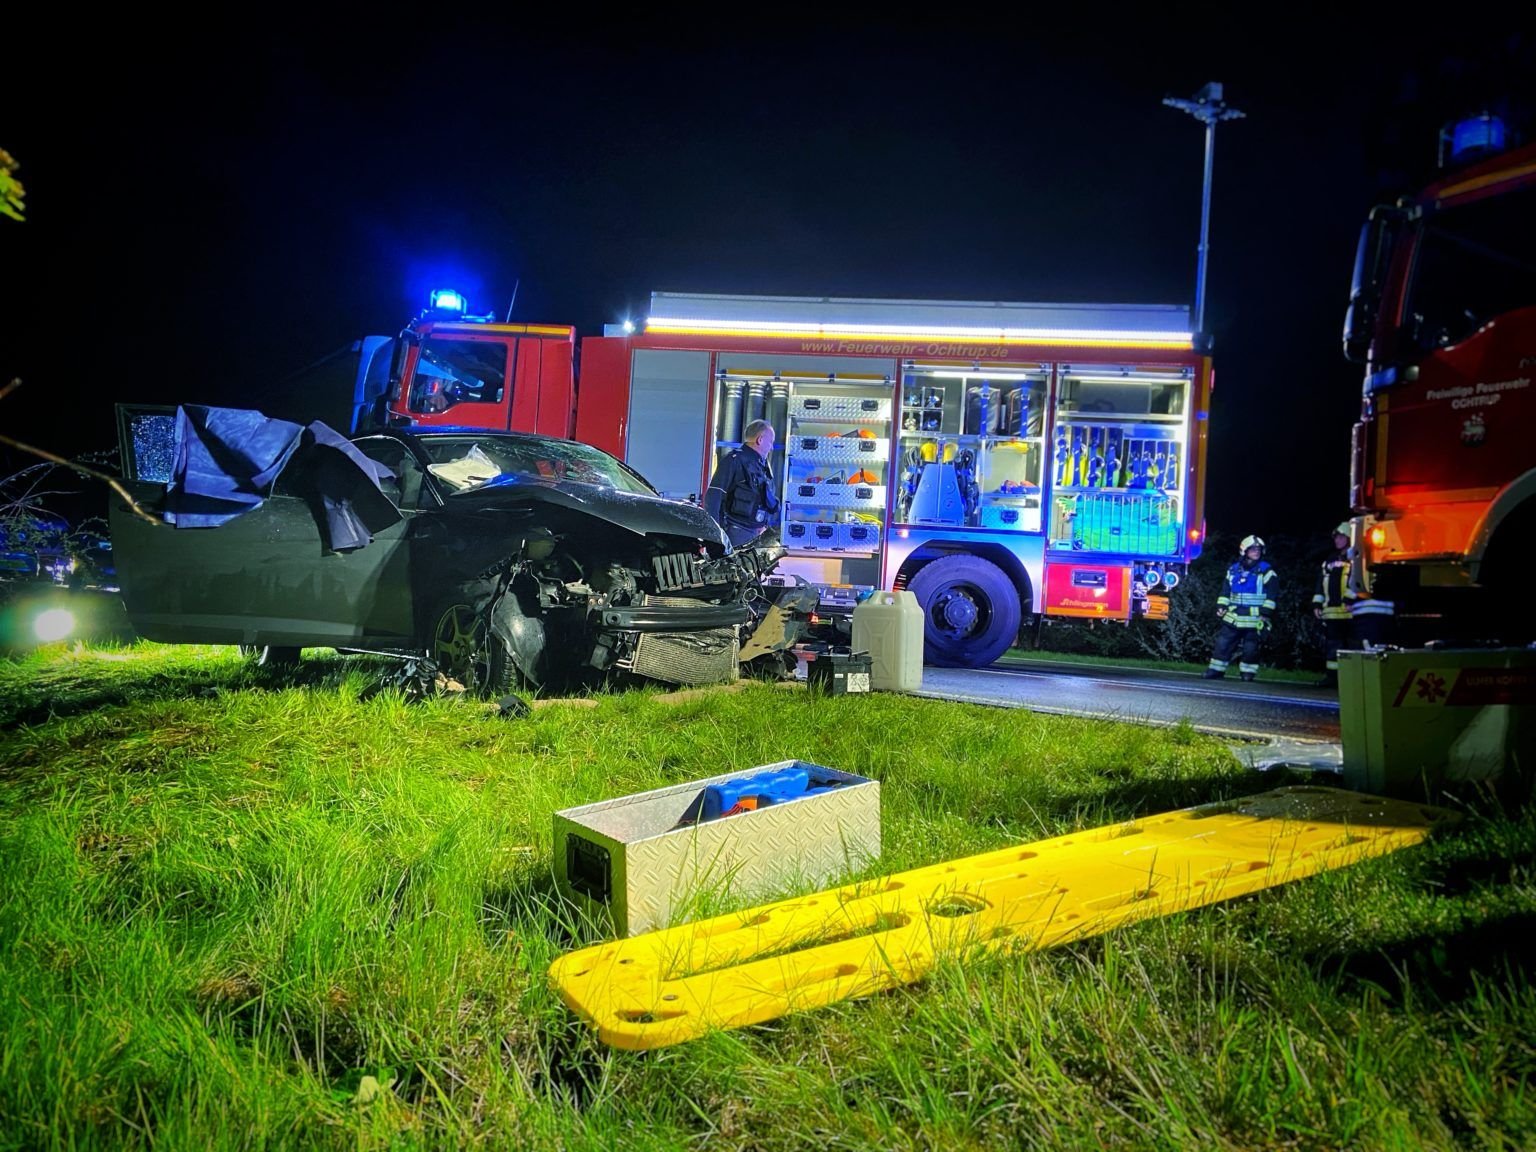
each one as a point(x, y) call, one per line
point(1443, 316)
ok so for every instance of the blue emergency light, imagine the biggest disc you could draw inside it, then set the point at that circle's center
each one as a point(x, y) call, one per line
point(447, 300)
point(1481, 135)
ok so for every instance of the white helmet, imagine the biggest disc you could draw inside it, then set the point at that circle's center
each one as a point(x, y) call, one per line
point(1342, 529)
point(1250, 542)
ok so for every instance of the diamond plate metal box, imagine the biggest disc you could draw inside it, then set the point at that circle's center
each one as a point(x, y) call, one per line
point(629, 861)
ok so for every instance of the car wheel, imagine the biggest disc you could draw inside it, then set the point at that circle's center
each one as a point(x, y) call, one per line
point(464, 649)
point(271, 655)
point(971, 611)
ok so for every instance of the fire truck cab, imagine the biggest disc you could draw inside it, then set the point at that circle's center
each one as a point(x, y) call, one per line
point(1443, 467)
point(451, 369)
point(1000, 461)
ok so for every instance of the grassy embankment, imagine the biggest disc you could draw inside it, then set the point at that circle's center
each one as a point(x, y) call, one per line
point(245, 909)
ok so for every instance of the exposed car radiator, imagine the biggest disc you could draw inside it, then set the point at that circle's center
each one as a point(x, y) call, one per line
point(706, 657)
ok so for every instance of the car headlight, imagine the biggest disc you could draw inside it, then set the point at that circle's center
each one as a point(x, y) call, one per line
point(53, 624)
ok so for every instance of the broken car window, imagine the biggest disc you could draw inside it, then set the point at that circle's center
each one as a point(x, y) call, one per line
point(469, 462)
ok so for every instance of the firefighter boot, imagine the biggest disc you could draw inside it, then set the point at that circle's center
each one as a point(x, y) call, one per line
point(1247, 676)
point(1213, 674)
point(1329, 680)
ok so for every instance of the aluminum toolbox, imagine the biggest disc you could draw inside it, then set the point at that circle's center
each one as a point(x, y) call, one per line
point(627, 859)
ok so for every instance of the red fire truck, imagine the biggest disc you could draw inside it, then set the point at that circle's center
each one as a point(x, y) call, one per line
point(1443, 315)
point(1001, 461)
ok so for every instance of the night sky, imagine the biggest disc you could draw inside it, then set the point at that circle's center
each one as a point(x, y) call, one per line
point(232, 211)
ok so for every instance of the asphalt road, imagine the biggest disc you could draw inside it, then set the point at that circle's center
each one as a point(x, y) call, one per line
point(1287, 723)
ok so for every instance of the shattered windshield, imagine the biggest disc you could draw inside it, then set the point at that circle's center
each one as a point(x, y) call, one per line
point(467, 463)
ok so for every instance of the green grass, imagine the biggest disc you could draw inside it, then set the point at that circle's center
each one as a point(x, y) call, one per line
point(249, 909)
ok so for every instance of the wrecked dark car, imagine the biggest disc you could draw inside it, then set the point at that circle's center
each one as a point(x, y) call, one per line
point(504, 559)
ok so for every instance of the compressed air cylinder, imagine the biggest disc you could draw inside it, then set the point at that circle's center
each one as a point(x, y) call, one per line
point(778, 407)
point(729, 425)
point(757, 402)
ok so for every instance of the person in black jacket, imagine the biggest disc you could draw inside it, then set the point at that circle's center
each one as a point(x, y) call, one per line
point(741, 495)
point(1331, 603)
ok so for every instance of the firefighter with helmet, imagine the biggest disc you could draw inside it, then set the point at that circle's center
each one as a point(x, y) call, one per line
point(1332, 601)
point(1246, 607)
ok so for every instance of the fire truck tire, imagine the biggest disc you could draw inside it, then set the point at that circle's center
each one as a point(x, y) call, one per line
point(1505, 607)
point(270, 655)
point(464, 649)
point(971, 611)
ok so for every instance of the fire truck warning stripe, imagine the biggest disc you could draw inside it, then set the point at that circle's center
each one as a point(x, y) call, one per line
point(1480, 182)
point(673, 985)
point(1050, 340)
point(485, 330)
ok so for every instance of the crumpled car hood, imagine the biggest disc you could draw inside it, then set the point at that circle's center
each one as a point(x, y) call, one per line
point(642, 515)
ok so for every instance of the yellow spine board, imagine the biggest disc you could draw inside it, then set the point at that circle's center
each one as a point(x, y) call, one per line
point(673, 985)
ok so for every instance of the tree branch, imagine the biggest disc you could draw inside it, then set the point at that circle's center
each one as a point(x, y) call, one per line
point(110, 481)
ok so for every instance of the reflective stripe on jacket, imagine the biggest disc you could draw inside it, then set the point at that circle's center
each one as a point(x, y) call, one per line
point(1370, 606)
point(1362, 601)
point(1333, 594)
point(1249, 598)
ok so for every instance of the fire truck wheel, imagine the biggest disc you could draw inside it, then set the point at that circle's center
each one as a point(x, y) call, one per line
point(464, 649)
point(270, 655)
point(971, 611)
point(1505, 611)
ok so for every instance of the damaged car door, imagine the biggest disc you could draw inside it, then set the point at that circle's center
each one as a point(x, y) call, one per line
point(267, 576)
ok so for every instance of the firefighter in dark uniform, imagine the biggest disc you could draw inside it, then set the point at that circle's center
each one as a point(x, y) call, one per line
point(1247, 610)
point(1371, 615)
point(1331, 603)
point(741, 495)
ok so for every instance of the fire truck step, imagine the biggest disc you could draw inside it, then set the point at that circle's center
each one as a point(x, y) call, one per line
point(673, 985)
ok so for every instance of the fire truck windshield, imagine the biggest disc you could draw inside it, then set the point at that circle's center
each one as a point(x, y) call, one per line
point(450, 372)
point(1472, 263)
